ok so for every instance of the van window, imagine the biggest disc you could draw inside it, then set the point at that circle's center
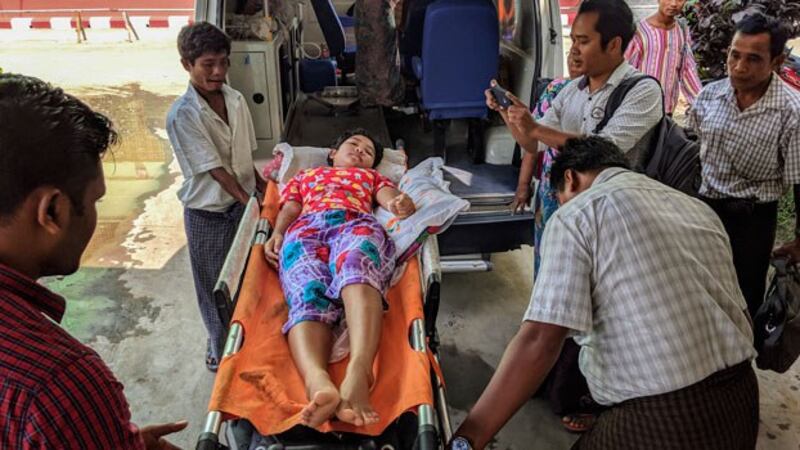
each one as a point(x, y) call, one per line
point(516, 23)
point(508, 18)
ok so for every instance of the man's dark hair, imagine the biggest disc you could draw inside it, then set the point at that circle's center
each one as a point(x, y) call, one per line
point(47, 138)
point(587, 154)
point(614, 18)
point(758, 23)
point(359, 131)
point(202, 37)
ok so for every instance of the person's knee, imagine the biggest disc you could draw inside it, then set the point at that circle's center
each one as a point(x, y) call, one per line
point(362, 291)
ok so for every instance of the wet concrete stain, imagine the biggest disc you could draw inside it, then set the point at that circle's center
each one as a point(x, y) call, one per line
point(99, 304)
point(136, 168)
point(463, 391)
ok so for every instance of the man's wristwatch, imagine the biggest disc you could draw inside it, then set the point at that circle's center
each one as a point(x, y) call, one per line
point(460, 443)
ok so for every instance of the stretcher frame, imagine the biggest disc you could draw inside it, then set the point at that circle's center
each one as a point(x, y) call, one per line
point(434, 426)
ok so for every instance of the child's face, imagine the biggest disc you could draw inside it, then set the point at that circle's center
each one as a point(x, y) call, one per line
point(356, 151)
point(208, 71)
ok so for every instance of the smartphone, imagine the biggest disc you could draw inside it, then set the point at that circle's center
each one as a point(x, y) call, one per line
point(500, 96)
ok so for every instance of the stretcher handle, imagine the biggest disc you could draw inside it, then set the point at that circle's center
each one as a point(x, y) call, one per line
point(209, 441)
point(427, 439)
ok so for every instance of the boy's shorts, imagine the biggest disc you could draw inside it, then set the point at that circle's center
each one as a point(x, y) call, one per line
point(324, 252)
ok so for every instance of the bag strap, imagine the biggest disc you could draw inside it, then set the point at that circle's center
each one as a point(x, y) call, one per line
point(616, 98)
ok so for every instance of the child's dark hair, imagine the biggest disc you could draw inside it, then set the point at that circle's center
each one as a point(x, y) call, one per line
point(362, 132)
point(202, 37)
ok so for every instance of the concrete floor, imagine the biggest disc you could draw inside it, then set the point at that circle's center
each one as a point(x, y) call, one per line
point(133, 300)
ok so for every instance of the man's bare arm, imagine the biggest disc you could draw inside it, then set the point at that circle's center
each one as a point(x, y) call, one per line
point(229, 183)
point(528, 358)
point(550, 136)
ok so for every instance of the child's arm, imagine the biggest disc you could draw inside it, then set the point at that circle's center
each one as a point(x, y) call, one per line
point(289, 212)
point(396, 202)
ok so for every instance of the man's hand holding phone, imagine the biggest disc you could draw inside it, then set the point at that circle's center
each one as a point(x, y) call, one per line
point(515, 113)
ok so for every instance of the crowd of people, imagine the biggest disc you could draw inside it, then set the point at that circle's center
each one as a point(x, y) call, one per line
point(652, 289)
point(656, 288)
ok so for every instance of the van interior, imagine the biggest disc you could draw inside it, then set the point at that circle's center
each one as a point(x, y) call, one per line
point(294, 61)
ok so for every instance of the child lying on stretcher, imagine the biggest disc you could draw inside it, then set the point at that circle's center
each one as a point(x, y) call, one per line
point(334, 258)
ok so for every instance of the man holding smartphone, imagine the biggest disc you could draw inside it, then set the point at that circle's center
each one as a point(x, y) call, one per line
point(600, 34)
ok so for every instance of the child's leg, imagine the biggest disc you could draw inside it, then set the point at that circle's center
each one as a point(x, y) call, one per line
point(363, 307)
point(305, 277)
point(362, 261)
point(310, 344)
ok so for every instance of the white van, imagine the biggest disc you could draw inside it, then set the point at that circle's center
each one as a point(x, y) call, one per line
point(271, 55)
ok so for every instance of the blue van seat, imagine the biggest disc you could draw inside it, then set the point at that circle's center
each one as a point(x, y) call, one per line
point(333, 31)
point(410, 42)
point(460, 54)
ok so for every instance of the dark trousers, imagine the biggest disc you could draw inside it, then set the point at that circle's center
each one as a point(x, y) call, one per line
point(209, 236)
point(717, 413)
point(565, 386)
point(751, 229)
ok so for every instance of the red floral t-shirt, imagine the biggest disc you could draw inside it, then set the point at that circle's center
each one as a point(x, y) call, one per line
point(326, 188)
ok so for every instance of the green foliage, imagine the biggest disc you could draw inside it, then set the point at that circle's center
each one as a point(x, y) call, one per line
point(786, 219)
point(712, 26)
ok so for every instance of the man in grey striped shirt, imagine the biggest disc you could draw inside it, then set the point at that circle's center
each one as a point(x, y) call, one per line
point(749, 129)
point(641, 275)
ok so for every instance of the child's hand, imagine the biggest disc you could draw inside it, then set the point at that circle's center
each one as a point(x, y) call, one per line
point(402, 206)
point(272, 249)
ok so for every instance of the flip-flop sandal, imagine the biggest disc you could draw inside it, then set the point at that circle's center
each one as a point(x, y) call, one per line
point(578, 423)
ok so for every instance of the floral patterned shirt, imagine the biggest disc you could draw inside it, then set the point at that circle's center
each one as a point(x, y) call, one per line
point(326, 188)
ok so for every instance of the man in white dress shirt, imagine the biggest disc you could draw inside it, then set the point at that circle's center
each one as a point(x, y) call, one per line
point(212, 134)
point(600, 34)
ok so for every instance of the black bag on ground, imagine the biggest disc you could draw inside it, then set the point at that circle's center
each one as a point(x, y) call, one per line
point(777, 321)
point(673, 157)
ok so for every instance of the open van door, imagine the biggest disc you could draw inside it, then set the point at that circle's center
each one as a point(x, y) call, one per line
point(270, 58)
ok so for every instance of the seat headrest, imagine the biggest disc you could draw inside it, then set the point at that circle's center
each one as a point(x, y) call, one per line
point(330, 24)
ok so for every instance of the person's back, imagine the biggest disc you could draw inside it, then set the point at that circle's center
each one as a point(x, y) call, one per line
point(668, 255)
point(642, 277)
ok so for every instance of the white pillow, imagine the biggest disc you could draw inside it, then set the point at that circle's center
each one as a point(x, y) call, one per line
point(296, 159)
point(437, 208)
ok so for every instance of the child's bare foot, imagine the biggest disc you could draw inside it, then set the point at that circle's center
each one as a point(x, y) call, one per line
point(354, 407)
point(324, 401)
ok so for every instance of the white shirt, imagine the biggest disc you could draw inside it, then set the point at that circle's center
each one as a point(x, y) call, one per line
point(753, 153)
point(575, 110)
point(202, 141)
point(644, 277)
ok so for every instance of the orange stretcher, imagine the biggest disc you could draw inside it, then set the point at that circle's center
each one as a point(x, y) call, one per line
point(258, 393)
